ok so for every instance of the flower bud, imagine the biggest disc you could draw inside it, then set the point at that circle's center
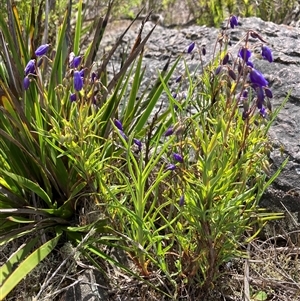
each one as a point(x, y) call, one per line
point(138, 143)
point(78, 82)
point(118, 124)
point(73, 97)
point(30, 67)
point(178, 79)
point(42, 50)
point(218, 70)
point(26, 82)
point(233, 21)
point(225, 59)
point(266, 53)
point(177, 157)
point(191, 47)
point(169, 131)
point(171, 167)
point(260, 97)
point(232, 74)
point(76, 62)
point(268, 93)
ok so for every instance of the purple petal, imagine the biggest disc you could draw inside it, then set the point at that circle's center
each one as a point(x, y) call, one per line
point(73, 97)
point(233, 21)
point(257, 78)
point(171, 167)
point(169, 131)
point(78, 82)
point(118, 124)
point(138, 143)
point(42, 50)
point(191, 47)
point(245, 54)
point(177, 157)
point(268, 93)
point(76, 62)
point(26, 82)
point(30, 67)
point(266, 53)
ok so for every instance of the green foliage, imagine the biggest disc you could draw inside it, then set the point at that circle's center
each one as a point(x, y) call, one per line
point(214, 12)
point(107, 152)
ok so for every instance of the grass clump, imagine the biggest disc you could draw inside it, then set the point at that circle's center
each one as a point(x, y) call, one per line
point(86, 161)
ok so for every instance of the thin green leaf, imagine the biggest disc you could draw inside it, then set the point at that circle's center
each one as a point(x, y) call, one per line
point(29, 185)
point(78, 28)
point(7, 268)
point(26, 266)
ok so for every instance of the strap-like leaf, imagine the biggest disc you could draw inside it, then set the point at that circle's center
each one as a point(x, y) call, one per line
point(26, 266)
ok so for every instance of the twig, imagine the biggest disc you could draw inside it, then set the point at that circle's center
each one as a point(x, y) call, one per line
point(46, 283)
point(246, 277)
point(287, 286)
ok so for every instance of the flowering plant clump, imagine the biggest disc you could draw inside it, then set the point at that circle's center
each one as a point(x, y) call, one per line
point(87, 162)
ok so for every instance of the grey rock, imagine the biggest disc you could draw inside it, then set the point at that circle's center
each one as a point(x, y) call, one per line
point(283, 76)
point(91, 286)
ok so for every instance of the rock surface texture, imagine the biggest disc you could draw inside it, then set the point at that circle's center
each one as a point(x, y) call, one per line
point(283, 76)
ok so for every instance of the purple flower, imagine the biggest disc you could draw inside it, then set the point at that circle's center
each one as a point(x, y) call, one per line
point(169, 131)
point(177, 157)
point(181, 201)
point(76, 62)
point(26, 82)
point(203, 50)
point(81, 72)
point(250, 64)
point(30, 67)
point(263, 112)
point(266, 53)
point(268, 93)
point(138, 143)
point(257, 78)
point(118, 124)
point(73, 97)
point(191, 47)
point(42, 50)
point(171, 167)
point(245, 54)
point(233, 21)
point(78, 82)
